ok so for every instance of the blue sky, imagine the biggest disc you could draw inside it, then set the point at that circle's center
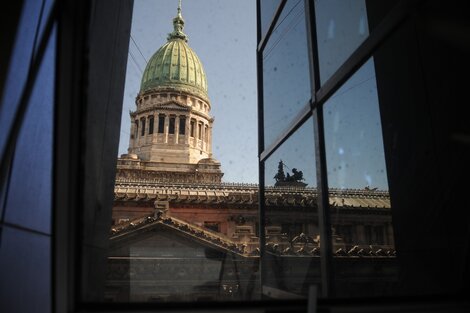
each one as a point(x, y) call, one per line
point(223, 34)
point(225, 41)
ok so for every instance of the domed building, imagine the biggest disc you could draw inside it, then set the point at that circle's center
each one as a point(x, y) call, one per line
point(171, 128)
point(179, 234)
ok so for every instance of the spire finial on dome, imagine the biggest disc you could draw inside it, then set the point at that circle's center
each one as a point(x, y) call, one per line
point(178, 25)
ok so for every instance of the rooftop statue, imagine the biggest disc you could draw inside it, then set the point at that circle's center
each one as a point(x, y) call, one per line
point(286, 179)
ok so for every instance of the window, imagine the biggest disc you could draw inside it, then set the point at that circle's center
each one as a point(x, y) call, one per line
point(328, 156)
point(193, 123)
point(136, 130)
point(171, 127)
point(199, 131)
point(182, 128)
point(161, 124)
point(142, 127)
point(150, 125)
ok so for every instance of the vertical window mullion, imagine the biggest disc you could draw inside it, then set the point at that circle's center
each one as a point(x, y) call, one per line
point(261, 197)
point(324, 220)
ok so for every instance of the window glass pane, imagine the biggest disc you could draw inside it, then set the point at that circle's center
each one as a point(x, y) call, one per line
point(25, 271)
point(363, 241)
point(30, 187)
point(341, 27)
point(19, 66)
point(268, 8)
point(292, 259)
point(286, 72)
point(46, 11)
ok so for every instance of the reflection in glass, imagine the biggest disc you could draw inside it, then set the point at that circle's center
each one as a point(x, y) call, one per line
point(32, 164)
point(363, 242)
point(292, 236)
point(285, 71)
point(267, 8)
point(341, 27)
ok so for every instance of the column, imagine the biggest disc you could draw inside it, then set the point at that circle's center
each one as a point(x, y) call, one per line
point(209, 140)
point(196, 132)
point(203, 132)
point(186, 134)
point(155, 127)
point(177, 128)
point(147, 122)
point(165, 131)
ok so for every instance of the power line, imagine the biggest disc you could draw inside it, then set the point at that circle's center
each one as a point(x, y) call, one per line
point(137, 46)
point(135, 62)
point(292, 24)
point(288, 13)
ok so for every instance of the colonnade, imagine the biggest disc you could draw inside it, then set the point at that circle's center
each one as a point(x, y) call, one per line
point(171, 129)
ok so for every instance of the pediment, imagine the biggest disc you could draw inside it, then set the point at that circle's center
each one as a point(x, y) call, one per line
point(173, 105)
point(157, 239)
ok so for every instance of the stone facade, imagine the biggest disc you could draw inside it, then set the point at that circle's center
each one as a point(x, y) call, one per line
point(171, 127)
point(180, 234)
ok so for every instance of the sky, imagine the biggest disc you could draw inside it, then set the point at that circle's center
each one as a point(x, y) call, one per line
point(225, 42)
point(223, 35)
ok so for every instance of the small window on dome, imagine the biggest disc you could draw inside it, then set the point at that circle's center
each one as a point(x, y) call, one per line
point(182, 128)
point(171, 126)
point(161, 123)
point(142, 128)
point(193, 123)
point(151, 122)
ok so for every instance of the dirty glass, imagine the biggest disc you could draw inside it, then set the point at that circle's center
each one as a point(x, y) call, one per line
point(363, 245)
point(292, 252)
point(267, 9)
point(286, 82)
point(342, 26)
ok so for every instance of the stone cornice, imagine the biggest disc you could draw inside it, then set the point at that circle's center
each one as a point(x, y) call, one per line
point(247, 194)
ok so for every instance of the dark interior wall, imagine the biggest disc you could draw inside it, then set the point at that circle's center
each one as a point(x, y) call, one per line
point(421, 83)
point(109, 35)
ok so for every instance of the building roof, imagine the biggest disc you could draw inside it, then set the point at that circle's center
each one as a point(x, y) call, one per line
point(232, 193)
point(175, 65)
point(220, 242)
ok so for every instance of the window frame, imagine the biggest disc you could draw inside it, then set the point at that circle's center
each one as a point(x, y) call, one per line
point(74, 37)
point(320, 93)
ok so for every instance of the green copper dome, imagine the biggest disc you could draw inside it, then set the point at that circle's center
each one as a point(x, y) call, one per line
point(175, 65)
